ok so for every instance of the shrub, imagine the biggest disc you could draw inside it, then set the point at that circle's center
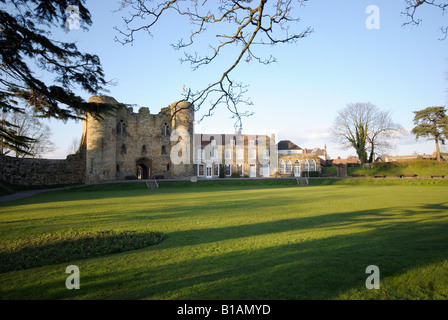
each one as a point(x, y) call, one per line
point(222, 173)
point(310, 174)
point(235, 175)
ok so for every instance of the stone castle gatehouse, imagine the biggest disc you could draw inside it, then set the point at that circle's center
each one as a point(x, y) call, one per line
point(128, 145)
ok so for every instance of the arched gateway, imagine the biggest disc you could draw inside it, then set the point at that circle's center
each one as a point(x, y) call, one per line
point(144, 168)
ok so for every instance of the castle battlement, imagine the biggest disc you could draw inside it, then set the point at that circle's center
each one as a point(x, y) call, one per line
point(128, 145)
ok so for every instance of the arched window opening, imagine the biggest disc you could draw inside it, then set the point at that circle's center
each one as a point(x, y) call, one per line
point(121, 127)
point(313, 165)
point(163, 150)
point(306, 165)
point(165, 129)
point(123, 149)
point(281, 167)
point(288, 167)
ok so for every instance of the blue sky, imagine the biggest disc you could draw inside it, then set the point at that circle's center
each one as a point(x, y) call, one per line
point(401, 69)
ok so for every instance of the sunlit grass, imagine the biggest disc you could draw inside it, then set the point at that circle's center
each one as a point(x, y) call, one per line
point(237, 241)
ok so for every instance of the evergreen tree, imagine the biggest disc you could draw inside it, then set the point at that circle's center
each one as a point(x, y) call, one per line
point(26, 47)
point(432, 123)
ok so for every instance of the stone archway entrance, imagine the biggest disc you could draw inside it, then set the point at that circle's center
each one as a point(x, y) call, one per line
point(144, 168)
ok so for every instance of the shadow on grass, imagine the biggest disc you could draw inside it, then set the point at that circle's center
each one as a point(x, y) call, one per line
point(137, 189)
point(321, 268)
point(54, 249)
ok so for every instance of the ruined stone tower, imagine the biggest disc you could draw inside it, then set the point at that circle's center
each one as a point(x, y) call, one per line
point(127, 145)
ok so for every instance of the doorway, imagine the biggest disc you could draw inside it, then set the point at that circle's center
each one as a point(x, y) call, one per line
point(253, 171)
point(143, 169)
point(297, 169)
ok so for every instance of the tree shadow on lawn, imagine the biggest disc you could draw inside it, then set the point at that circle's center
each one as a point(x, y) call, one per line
point(316, 269)
point(321, 268)
point(66, 196)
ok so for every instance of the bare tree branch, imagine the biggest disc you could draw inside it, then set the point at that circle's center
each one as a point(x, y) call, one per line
point(413, 5)
point(244, 24)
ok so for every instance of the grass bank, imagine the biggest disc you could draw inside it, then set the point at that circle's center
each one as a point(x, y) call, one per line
point(237, 242)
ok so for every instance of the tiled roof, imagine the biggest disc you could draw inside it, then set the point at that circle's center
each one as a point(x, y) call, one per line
point(287, 145)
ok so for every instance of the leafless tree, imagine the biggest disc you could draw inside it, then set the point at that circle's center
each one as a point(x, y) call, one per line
point(242, 26)
point(27, 124)
point(364, 127)
point(74, 146)
point(411, 7)
point(381, 131)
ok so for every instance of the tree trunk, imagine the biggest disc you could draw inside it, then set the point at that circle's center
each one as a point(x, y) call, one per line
point(437, 150)
point(372, 154)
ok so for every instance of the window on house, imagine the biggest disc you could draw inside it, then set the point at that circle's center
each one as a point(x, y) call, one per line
point(200, 170)
point(123, 149)
point(216, 170)
point(306, 165)
point(227, 170)
point(233, 141)
point(144, 148)
point(228, 154)
point(163, 150)
point(265, 154)
point(240, 154)
point(281, 167)
point(313, 165)
point(239, 168)
point(214, 154)
point(252, 154)
point(167, 167)
point(200, 154)
point(288, 168)
point(251, 143)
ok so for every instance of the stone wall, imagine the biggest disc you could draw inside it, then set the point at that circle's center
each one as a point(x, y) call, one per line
point(128, 145)
point(43, 171)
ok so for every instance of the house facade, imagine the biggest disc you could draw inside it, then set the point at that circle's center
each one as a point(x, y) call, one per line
point(298, 162)
point(139, 145)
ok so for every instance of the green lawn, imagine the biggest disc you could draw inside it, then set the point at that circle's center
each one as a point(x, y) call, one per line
point(235, 240)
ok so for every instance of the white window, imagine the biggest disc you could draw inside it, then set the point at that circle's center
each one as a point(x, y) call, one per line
point(251, 143)
point(252, 154)
point(288, 167)
point(200, 154)
point(313, 165)
point(209, 171)
point(265, 154)
point(228, 154)
point(240, 154)
point(214, 154)
point(233, 141)
point(306, 165)
point(281, 167)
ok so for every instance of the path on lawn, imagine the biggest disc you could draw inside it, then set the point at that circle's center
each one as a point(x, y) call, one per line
point(26, 193)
